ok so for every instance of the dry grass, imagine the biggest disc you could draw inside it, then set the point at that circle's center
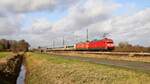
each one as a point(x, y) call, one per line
point(129, 58)
point(46, 69)
point(5, 54)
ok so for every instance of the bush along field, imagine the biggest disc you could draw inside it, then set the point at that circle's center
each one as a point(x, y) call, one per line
point(48, 69)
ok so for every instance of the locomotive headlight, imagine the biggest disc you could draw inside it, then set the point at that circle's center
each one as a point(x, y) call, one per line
point(112, 44)
point(108, 44)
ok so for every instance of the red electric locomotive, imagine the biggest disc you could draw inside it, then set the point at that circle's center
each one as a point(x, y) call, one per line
point(104, 44)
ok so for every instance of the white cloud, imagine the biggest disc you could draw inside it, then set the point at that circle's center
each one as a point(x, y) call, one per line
point(134, 28)
point(39, 26)
point(96, 15)
point(82, 15)
point(11, 12)
point(8, 25)
point(32, 5)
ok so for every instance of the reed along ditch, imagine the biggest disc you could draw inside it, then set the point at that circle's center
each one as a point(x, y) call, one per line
point(12, 70)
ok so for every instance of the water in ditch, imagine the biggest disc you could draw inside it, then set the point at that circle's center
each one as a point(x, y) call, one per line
point(21, 77)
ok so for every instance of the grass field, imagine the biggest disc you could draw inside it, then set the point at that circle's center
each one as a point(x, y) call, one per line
point(4, 54)
point(113, 57)
point(47, 69)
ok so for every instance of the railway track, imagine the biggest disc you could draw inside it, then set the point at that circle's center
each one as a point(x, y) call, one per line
point(119, 53)
point(103, 53)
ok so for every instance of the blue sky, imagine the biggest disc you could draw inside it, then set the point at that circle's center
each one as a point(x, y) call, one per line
point(139, 3)
point(50, 16)
point(132, 6)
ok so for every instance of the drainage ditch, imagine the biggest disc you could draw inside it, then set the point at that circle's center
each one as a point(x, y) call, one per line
point(12, 70)
point(21, 77)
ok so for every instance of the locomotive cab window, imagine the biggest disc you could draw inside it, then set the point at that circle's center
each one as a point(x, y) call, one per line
point(109, 42)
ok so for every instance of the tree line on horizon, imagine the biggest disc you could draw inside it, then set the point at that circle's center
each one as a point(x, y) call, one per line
point(13, 45)
point(126, 47)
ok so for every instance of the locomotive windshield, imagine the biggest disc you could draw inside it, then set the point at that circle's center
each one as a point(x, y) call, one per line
point(110, 42)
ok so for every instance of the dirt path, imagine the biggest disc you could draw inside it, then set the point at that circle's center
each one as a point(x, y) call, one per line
point(143, 66)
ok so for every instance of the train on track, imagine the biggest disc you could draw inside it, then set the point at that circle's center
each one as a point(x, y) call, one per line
point(105, 44)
